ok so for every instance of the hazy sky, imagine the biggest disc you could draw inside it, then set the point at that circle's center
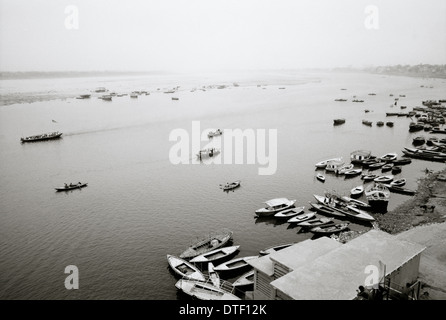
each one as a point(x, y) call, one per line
point(44, 35)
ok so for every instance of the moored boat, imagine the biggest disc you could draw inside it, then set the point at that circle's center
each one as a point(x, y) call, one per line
point(217, 132)
point(301, 217)
point(378, 197)
point(358, 156)
point(326, 210)
point(312, 223)
point(246, 279)
point(185, 269)
point(213, 275)
point(275, 248)
point(234, 264)
point(338, 121)
point(204, 291)
point(323, 164)
point(329, 229)
point(357, 191)
point(215, 255)
point(275, 205)
point(384, 179)
point(320, 177)
point(391, 156)
point(289, 212)
point(207, 243)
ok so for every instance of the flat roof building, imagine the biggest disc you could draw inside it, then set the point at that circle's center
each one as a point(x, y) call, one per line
point(325, 269)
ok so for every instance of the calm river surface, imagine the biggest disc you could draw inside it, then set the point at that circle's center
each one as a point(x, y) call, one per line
point(139, 206)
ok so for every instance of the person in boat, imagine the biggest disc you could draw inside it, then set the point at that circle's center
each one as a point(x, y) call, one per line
point(66, 186)
point(71, 185)
point(79, 183)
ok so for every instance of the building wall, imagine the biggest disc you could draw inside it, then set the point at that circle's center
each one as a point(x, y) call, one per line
point(407, 273)
point(262, 287)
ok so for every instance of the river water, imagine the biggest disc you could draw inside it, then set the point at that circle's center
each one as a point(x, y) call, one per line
point(139, 206)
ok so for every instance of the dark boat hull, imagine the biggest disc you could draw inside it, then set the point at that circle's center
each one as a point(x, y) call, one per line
point(72, 188)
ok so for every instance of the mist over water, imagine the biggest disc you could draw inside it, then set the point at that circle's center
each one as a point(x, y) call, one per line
point(138, 206)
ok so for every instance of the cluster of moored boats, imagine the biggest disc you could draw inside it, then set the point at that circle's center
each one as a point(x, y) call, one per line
point(202, 266)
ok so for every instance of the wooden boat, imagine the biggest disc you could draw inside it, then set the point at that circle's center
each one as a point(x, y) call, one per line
point(213, 275)
point(358, 214)
point(334, 165)
point(357, 191)
point(289, 212)
point(387, 167)
point(398, 183)
point(355, 202)
point(204, 291)
point(384, 179)
point(72, 186)
point(396, 169)
point(368, 162)
point(326, 210)
point(231, 185)
point(274, 206)
point(367, 122)
point(215, 255)
point(42, 137)
point(245, 280)
point(217, 132)
point(402, 190)
point(208, 152)
point(418, 140)
point(344, 168)
point(358, 156)
point(338, 121)
point(275, 248)
point(389, 157)
point(353, 172)
point(380, 123)
point(323, 164)
point(376, 165)
point(301, 217)
point(369, 177)
point(424, 155)
point(234, 264)
point(312, 223)
point(401, 162)
point(207, 243)
point(389, 123)
point(329, 229)
point(185, 269)
point(320, 177)
point(378, 197)
point(175, 98)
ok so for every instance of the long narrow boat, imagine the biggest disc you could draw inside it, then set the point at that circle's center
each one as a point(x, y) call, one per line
point(208, 243)
point(72, 187)
point(215, 255)
point(185, 269)
point(204, 291)
point(323, 164)
point(289, 212)
point(301, 217)
point(275, 205)
point(42, 137)
point(316, 222)
point(327, 210)
point(275, 248)
point(245, 280)
point(234, 264)
point(398, 189)
point(213, 275)
point(356, 202)
point(330, 229)
point(358, 214)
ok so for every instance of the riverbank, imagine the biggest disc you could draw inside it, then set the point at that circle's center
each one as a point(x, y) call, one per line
point(422, 220)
